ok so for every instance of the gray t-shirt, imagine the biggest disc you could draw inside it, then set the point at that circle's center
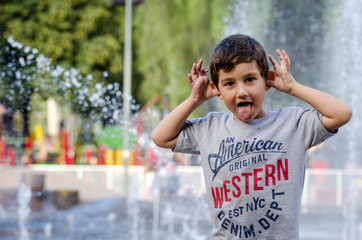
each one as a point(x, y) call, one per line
point(254, 171)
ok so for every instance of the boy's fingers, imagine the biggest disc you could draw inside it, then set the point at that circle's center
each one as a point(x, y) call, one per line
point(193, 69)
point(199, 64)
point(287, 63)
point(189, 78)
point(270, 83)
point(287, 59)
point(273, 61)
point(281, 55)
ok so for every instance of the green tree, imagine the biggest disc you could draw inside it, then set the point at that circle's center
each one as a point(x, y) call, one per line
point(88, 35)
point(84, 34)
point(170, 36)
point(77, 37)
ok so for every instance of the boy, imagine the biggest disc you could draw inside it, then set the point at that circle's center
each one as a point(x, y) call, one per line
point(253, 160)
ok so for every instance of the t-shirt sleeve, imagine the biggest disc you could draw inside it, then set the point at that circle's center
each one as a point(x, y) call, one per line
point(310, 125)
point(187, 140)
point(193, 133)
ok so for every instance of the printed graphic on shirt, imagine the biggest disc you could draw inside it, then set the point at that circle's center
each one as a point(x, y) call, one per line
point(257, 181)
point(229, 151)
point(269, 217)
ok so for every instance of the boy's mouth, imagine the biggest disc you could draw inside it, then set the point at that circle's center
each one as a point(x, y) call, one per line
point(244, 109)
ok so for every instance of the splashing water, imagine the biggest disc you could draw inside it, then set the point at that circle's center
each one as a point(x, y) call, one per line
point(325, 53)
point(3, 213)
point(24, 198)
point(34, 73)
point(48, 230)
point(349, 30)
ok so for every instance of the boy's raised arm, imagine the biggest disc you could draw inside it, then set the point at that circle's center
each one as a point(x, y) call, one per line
point(165, 134)
point(335, 112)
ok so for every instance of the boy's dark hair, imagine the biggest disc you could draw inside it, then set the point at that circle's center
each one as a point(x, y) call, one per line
point(237, 49)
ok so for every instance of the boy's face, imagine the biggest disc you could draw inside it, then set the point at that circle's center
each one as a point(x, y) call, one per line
point(243, 91)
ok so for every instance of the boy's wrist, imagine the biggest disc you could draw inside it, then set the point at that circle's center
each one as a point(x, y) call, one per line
point(295, 88)
point(194, 102)
point(196, 99)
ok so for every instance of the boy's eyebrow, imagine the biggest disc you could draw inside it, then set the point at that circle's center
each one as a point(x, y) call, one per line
point(247, 75)
point(250, 74)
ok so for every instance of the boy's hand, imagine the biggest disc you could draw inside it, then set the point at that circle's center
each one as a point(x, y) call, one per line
point(283, 81)
point(201, 87)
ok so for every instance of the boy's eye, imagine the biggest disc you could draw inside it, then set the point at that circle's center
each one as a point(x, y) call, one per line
point(249, 79)
point(229, 83)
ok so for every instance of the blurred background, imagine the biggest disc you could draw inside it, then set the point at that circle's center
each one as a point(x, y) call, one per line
point(84, 82)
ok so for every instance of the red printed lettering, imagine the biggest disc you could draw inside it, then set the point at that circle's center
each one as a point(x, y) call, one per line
point(283, 169)
point(226, 190)
point(257, 179)
point(269, 174)
point(237, 192)
point(218, 197)
point(246, 175)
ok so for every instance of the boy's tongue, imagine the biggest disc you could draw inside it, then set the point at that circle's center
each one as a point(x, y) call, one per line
point(244, 111)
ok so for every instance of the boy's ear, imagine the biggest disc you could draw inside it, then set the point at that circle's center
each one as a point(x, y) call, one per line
point(213, 86)
point(270, 77)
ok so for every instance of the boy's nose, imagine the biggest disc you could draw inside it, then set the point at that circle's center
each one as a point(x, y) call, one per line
point(242, 92)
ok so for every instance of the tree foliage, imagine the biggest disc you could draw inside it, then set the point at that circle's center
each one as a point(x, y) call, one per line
point(170, 36)
point(87, 35)
point(82, 34)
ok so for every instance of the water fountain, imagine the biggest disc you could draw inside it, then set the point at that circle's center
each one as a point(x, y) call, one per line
point(119, 216)
point(349, 30)
point(24, 197)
